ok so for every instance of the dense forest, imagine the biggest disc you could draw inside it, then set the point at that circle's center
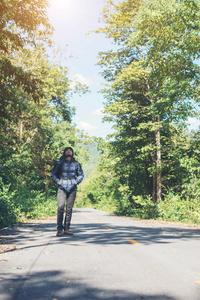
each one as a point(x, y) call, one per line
point(35, 114)
point(149, 166)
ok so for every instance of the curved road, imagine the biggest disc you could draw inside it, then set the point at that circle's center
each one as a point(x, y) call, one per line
point(108, 257)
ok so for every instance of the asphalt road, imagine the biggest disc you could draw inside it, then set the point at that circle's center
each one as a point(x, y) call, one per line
point(108, 257)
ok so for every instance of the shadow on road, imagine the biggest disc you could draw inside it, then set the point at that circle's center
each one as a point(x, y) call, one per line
point(93, 233)
point(58, 285)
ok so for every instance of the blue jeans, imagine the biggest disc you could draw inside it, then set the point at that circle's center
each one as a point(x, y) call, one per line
point(69, 198)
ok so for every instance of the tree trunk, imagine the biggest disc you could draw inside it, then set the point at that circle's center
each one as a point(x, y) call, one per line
point(158, 163)
point(154, 188)
point(157, 178)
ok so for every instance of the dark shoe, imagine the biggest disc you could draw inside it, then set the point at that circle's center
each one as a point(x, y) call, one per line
point(67, 232)
point(59, 233)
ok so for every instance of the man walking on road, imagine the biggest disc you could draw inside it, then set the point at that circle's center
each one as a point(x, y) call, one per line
point(67, 173)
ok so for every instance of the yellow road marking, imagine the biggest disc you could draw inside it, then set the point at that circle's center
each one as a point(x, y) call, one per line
point(89, 217)
point(198, 281)
point(109, 228)
point(132, 242)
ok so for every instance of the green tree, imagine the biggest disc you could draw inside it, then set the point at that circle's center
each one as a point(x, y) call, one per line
point(154, 74)
point(23, 26)
point(35, 115)
point(28, 132)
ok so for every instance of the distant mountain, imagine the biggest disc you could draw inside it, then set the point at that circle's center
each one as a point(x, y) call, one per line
point(90, 165)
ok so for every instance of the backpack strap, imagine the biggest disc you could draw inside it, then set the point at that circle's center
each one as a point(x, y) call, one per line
point(76, 166)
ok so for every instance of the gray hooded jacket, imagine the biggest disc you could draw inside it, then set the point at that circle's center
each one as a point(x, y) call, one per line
point(67, 174)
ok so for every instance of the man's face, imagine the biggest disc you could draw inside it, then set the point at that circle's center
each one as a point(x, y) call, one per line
point(68, 152)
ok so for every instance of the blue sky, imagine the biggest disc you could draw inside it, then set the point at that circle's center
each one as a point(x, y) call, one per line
point(72, 19)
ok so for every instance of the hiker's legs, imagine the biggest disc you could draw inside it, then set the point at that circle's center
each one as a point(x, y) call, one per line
point(70, 203)
point(61, 198)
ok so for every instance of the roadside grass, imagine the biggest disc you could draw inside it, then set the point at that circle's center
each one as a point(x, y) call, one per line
point(25, 204)
point(173, 208)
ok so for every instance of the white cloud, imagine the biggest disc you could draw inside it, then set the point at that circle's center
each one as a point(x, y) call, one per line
point(80, 78)
point(86, 126)
point(98, 112)
point(193, 123)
